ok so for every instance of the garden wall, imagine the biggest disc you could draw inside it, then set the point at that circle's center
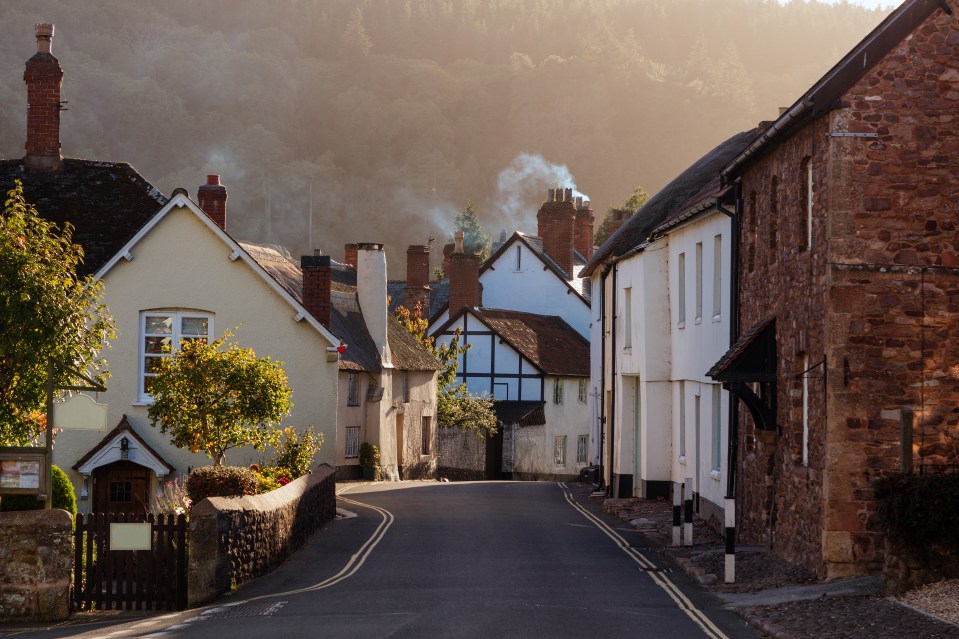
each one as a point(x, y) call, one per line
point(461, 455)
point(236, 539)
point(36, 563)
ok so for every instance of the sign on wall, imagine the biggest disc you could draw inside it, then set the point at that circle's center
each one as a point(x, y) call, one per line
point(80, 412)
point(22, 471)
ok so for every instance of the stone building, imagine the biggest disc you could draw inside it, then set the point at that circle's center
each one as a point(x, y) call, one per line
point(848, 289)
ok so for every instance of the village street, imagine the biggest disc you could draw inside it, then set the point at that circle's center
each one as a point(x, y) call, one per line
point(486, 559)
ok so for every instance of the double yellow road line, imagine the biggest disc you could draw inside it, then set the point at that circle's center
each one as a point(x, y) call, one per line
point(647, 566)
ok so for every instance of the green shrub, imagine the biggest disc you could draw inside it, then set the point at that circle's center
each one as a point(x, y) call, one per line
point(220, 481)
point(63, 497)
point(369, 454)
point(920, 510)
point(296, 452)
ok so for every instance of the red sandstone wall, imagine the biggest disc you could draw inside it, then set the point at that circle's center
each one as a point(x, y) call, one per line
point(877, 297)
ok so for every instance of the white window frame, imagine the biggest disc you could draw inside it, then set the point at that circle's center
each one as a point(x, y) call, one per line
point(717, 398)
point(518, 260)
point(682, 421)
point(559, 450)
point(352, 389)
point(627, 318)
point(558, 390)
point(583, 390)
point(699, 282)
point(681, 288)
point(175, 337)
point(582, 450)
point(351, 448)
point(717, 278)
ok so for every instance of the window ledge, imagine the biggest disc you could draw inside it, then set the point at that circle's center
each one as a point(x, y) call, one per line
point(681, 324)
point(682, 459)
point(715, 475)
point(142, 402)
point(717, 318)
point(698, 321)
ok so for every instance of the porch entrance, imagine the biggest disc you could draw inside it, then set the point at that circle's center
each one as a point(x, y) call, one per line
point(121, 487)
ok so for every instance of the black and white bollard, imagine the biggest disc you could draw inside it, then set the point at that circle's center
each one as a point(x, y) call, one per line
point(688, 514)
point(677, 511)
point(729, 517)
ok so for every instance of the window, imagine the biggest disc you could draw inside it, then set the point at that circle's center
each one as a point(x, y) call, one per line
point(717, 427)
point(773, 217)
point(406, 386)
point(807, 200)
point(805, 410)
point(352, 441)
point(425, 444)
point(717, 277)
point(628, 318)
point(682, 419)
point(558, 391)
point(352, 390)
point(582, 445)
point(681, 285)
point(750, 233)
point(121, 491)
point(559, 451)
point(519, 258)
point(699, 281)
point(161, 334)
point(583, 390)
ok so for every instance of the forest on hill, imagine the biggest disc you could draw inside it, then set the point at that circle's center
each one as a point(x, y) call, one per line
point(379, 119)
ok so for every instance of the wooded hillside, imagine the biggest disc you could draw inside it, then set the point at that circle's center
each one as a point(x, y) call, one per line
point(389, 115)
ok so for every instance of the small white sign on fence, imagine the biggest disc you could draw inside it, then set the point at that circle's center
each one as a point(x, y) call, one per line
point(131, 536)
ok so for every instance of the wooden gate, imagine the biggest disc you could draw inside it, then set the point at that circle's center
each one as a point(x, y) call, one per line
point(105, 579)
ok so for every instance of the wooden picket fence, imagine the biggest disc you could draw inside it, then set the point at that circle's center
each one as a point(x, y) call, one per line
point(105, 579)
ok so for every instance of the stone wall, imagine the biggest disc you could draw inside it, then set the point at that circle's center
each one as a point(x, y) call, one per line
point(461, 455)
point(36, 565)
point(870, 300)
point(234, 540)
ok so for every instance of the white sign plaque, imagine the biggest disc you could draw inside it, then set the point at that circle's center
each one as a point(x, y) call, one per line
point(131, 536)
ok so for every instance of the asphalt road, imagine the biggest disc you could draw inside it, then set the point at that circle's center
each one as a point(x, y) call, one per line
point(486, 559)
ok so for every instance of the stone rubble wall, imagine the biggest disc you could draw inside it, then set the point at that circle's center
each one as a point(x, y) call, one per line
point(461, 455)
point(36, 565)
point(236, 539)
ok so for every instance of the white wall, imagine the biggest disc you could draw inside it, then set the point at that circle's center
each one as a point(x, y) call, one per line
point(182, 265)
point(533, 446)
point(696, 345)
point(532, 289)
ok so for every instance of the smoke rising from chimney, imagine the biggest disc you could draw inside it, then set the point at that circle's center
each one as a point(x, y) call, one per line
point(522, 184)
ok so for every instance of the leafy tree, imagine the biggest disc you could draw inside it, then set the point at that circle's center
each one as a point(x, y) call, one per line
point(46, 311)
point(476, 239)
point(633, 203)
point(217, 396)
point(455, 405)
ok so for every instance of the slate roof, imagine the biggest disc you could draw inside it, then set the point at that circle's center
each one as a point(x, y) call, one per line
point(822, 96)
point(106, 202)
point(639, 228)
point(547, 341)
point(346, 319)
point(703, 200)
point(123, 427)
point(510, 411)
point(740, 347)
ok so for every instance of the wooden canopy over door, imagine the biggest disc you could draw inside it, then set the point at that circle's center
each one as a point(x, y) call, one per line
point(121, 487)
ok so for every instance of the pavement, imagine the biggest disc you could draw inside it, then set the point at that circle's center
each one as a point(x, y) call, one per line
point(779, 599)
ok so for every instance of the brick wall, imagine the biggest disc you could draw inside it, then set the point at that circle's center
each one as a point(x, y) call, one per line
point(557, 226)
point(464, 287)
point(417, 278)
point(234, 540)
point(44, 78)
point(874, 297)
point(316, 286)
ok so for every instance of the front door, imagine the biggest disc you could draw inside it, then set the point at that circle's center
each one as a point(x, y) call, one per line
point(121, 487)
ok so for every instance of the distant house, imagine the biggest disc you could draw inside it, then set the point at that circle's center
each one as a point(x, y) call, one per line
point(170, 271)
point(663, 279)
point(849, 271)
point(387, 381)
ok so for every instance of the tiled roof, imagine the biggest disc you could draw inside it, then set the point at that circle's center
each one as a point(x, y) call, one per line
point(346, 320)
point(737, 349)
point(106, 202)
point(123, 427)
point(524, 413)
point(439, 295)
point(547, 341)
point(668, 200)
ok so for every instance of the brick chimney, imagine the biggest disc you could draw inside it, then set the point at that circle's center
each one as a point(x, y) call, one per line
point(557, 227)
point(417, 278)
point(583, 237)
point(212, 199)
point(44, 79)
point(316, 286)
point(371, 294)
point(464, 278)
point(349, 255)
point(447, 252)
point(616, 220)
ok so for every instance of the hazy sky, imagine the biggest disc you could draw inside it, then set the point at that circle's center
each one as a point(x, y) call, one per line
point(871, 4)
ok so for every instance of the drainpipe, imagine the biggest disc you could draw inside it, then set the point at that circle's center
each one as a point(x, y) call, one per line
point(611, 421)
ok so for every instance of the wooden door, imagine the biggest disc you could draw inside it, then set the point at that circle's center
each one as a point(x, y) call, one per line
point(121, 487)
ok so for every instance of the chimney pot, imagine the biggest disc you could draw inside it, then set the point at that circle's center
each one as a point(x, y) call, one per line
point(550, 195)
point(44, 32)
point(556, 224)
point(568, 195)
point(458, 242)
